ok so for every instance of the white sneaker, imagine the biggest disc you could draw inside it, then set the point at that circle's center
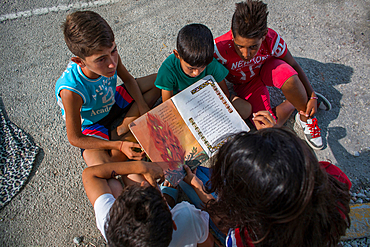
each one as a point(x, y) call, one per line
point(312, 132)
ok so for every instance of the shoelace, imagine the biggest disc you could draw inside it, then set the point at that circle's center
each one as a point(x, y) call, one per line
point(315, 131)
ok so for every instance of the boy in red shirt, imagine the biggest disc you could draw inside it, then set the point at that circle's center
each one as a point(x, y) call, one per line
point(256, 57)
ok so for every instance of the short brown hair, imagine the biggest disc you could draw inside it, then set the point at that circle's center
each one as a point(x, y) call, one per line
point(250, 19)
point(86, 32)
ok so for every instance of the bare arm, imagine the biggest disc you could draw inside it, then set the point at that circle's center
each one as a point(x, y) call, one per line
point(197, 185)
point(311, 107)
point(210, 241)
point(302, 76)
point(72, 103)
point(132, 87)
point(166, 95)
point(95, 178)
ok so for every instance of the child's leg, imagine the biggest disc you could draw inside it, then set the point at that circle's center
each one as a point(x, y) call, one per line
point(100, 130)
point(146, 84)
point(95, 157)
point(276, 73)
point(283, 112)
point(150, 93)
point(295, 92)
point(257, 95)
point(243, 107)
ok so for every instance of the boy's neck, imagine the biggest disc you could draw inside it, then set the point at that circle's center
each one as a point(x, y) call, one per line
point(89, 74)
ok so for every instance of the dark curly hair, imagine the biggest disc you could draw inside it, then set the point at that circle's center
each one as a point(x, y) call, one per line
point(85, 32)
point(195, 45)
point(250, 19)
point(270, 184)
point(139, 217)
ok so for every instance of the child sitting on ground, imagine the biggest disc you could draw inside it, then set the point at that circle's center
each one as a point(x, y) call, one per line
point(88, 95)
point(138, 215)
point(192, 61)
point(271, 191)
point(256, 57)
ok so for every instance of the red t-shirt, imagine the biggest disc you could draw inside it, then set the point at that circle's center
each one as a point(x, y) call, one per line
point(240, 71)
point(233, 238)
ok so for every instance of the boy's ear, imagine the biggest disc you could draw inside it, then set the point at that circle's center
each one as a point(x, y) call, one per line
point(176, 53)
point(79, 61)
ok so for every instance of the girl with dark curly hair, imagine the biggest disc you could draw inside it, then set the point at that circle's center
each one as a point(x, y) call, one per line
point(272, 191)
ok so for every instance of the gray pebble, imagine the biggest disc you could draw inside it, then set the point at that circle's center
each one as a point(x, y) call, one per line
point(359, 200)
point(361, 195)
point(362, 241)
point(78, 240)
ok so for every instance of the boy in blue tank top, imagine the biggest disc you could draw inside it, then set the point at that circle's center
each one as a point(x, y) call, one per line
point(89, 97)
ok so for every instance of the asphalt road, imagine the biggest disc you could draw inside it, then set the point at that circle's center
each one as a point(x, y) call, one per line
point(329, 38)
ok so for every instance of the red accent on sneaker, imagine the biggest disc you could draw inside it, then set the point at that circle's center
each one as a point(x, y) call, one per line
point(315, 131)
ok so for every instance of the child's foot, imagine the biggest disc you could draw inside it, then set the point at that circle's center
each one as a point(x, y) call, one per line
point(322, 102)
point(312, 132)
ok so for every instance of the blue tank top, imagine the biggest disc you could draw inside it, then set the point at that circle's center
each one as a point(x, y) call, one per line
point(97, 94)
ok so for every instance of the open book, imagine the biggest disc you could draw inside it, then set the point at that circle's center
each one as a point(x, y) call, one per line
point(188, 128)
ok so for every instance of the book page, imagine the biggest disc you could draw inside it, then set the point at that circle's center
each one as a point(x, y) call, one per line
point(208, 113)
point(164, 136)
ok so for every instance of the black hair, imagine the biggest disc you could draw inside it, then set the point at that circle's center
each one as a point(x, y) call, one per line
point(270, 185)
point(195, 45)
point(139, 217)
point(250, 19)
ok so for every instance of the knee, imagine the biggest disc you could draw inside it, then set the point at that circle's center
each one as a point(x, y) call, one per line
point(243, 107)
point(292, 83)
point(294, 90)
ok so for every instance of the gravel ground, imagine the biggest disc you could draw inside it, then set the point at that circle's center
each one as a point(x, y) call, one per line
point(329, 38)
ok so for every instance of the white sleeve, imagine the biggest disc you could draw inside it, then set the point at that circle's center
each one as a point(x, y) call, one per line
point(192, 225)
point(102, 206)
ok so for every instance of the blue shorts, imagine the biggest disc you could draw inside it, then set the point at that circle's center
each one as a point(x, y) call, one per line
point(101, 129)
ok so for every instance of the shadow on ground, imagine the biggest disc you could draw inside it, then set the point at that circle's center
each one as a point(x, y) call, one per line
point(323, 78)
point(357, 162)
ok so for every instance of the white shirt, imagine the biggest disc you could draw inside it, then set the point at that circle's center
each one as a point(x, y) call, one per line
point(192, 223)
